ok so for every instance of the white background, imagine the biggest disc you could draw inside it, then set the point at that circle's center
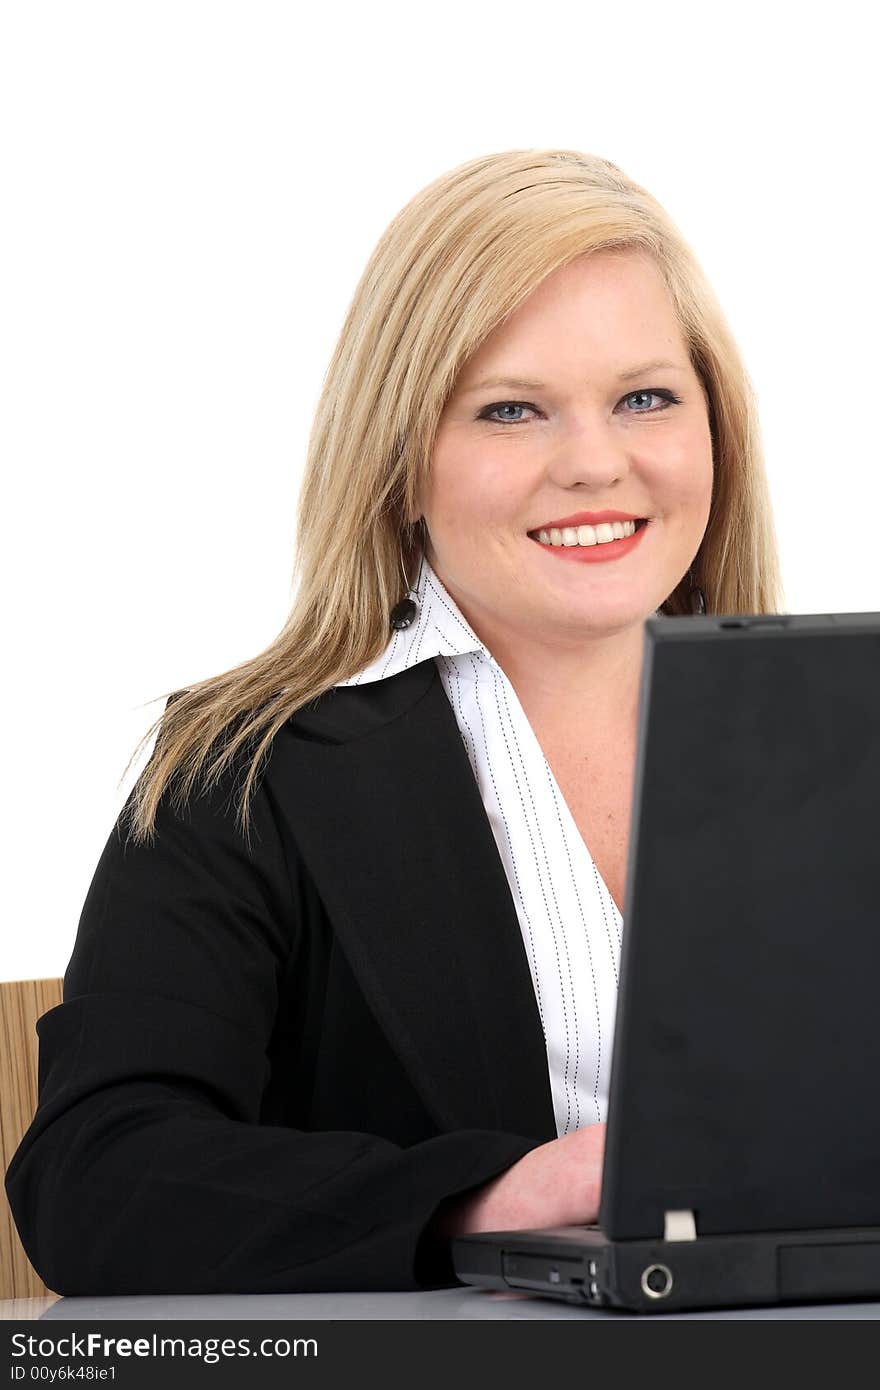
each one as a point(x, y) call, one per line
point(190, 192)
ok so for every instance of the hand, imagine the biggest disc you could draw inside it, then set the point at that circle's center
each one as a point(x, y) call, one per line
point(556, 1184)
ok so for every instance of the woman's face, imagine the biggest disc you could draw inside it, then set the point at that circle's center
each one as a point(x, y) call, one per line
point(599, 431)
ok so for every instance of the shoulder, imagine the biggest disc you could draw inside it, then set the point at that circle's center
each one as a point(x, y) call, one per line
point(348, 712)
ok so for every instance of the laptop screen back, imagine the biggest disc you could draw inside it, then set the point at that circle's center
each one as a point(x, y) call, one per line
point(744, 1083)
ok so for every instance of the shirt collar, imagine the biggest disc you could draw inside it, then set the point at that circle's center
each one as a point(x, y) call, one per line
point(438, 629)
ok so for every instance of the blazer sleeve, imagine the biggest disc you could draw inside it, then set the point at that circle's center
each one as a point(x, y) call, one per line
point(145, 1168)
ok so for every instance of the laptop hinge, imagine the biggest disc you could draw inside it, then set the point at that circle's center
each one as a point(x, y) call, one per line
point(679, 1225)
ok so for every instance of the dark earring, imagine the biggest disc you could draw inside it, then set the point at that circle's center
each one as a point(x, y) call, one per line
point(696, 597)
point(402, 613)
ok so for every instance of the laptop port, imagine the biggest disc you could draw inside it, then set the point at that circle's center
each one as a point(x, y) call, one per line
point(656, 1281)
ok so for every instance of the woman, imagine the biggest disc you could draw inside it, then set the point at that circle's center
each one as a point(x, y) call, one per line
point(311, 1031)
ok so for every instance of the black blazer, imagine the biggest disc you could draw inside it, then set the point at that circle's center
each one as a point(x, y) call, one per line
point(271, 1066)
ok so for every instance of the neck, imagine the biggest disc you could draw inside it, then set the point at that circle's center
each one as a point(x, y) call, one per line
point(594, 686)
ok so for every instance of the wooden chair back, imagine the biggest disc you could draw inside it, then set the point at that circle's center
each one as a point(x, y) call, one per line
point(22, 1002)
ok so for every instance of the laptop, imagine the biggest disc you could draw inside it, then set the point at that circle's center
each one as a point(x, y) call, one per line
point(742, 1151)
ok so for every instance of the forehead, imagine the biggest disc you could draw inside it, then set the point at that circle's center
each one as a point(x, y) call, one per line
point(607, 313)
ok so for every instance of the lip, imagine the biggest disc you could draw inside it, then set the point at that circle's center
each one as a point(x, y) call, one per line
point(585, 519)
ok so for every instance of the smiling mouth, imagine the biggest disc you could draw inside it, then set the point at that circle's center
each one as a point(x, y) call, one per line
point(641, 522)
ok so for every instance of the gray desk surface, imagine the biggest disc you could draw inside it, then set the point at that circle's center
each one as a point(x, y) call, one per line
point(448, 1304)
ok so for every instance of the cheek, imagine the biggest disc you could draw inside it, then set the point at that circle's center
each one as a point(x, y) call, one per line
point(685, 472)
point(469, 490)
point(704, 483)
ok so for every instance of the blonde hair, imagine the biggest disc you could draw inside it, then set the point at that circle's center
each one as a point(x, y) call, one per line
point(451, 265)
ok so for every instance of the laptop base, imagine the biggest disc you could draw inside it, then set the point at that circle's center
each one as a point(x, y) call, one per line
point(579, 1264)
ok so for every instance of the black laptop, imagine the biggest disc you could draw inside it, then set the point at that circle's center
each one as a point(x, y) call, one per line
point(742, 1154)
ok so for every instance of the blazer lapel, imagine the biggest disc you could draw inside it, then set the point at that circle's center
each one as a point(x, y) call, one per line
point(382, 801)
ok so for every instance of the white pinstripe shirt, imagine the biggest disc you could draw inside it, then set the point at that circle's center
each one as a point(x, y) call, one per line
point(570, 924)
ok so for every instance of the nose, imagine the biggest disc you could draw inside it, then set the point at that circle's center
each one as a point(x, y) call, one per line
point(588, 455)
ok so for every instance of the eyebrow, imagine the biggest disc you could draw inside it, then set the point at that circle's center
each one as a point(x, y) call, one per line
point(521, 384)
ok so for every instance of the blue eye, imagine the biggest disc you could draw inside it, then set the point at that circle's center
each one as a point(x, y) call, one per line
point(504, 405)
point(668, 398)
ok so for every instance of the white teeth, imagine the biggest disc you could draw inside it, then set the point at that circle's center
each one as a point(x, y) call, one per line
point(587, 535)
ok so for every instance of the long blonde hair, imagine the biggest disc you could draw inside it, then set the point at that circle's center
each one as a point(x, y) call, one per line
point(452, 264)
